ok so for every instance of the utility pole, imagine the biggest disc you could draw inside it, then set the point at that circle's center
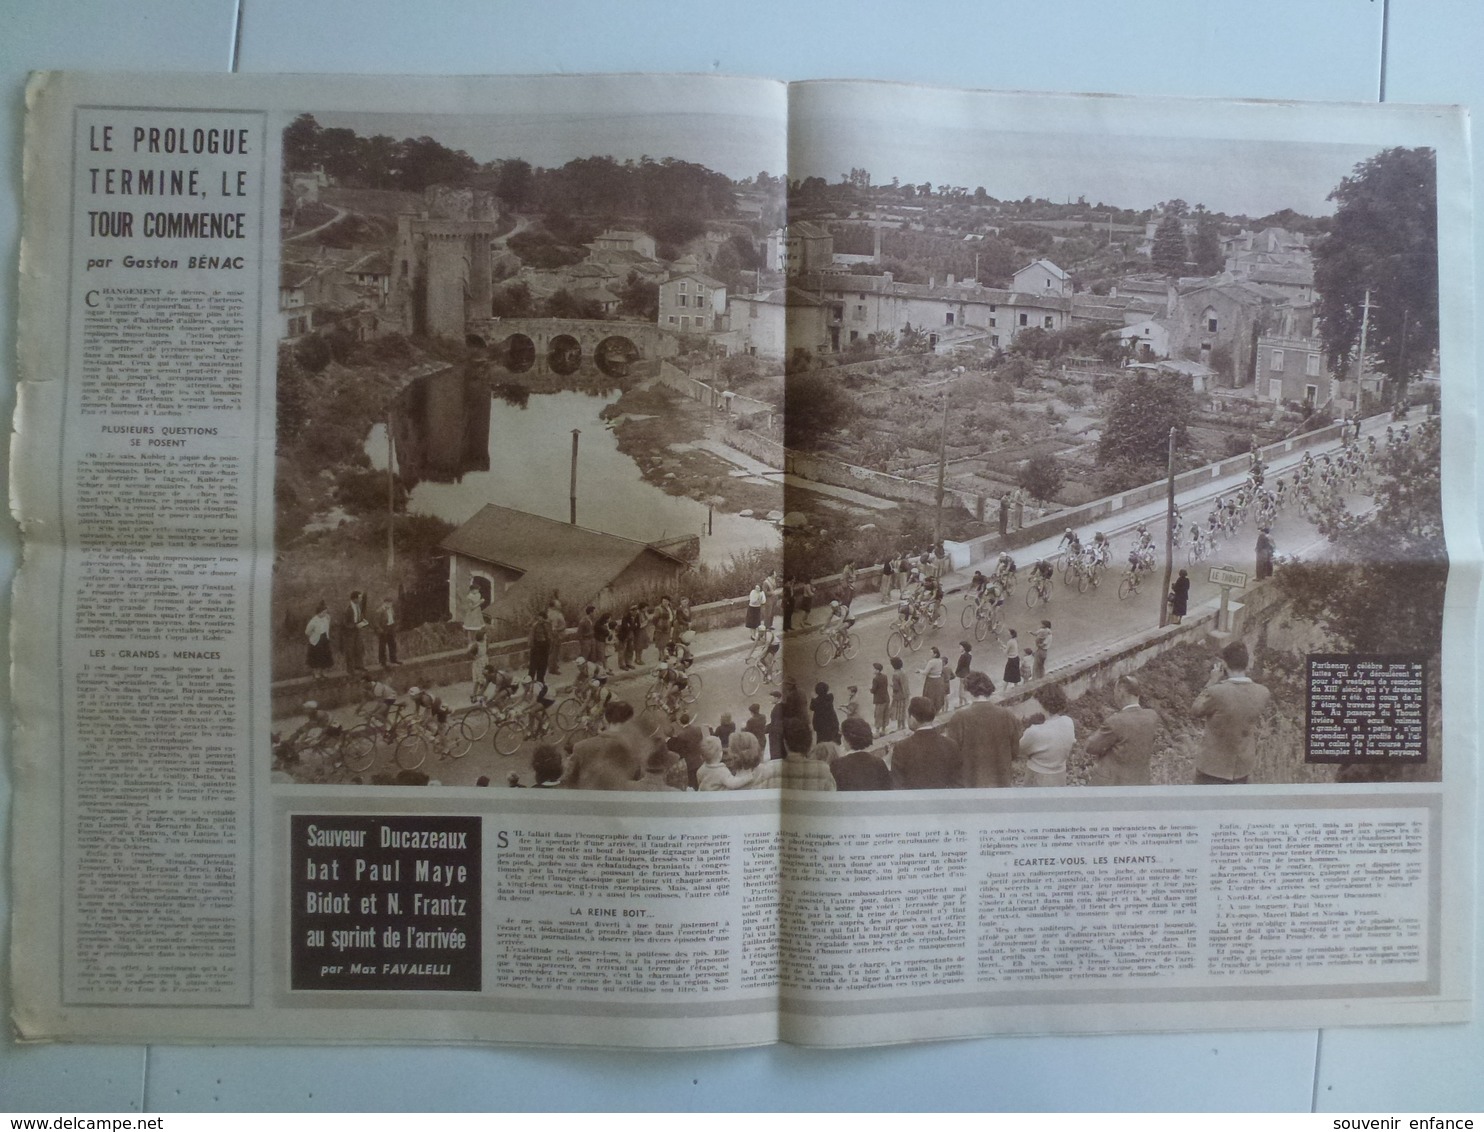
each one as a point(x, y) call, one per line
point(1365, 322)
point(572, 496)
point(1164, 601)
point(391, 500)
point(943, 459)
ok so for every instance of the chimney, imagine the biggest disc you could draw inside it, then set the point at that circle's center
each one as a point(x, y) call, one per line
point(932, 280)
point(950, 279)
point(1171, 296)
point(876, 257)
point(887, 276)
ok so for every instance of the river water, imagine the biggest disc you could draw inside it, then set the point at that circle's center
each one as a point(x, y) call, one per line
point(528, 466)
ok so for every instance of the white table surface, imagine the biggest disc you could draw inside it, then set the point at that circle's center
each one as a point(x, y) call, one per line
point(1352, 50)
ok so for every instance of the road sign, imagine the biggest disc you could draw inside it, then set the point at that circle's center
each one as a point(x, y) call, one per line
point(1226, 576)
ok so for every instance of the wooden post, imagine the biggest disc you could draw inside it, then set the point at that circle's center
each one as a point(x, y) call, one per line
point(391, 500)
point(1164, 600)
point(572, 495)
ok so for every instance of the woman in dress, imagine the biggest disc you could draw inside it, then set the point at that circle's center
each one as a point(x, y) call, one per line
point(1047, 742)
point(755, 602)
point(1180, 597)
point(1012, 660)
point(826, 721)
point(320, 657)
point(934, 681)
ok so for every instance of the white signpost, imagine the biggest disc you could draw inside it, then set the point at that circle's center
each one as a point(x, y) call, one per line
point(1228, 579)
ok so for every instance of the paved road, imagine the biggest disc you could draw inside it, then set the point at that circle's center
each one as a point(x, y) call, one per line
point(1082, 625)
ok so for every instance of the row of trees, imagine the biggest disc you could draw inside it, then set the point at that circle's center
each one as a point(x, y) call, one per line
point(378, 162)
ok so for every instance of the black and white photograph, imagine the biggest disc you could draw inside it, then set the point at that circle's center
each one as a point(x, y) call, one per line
point(620, 456)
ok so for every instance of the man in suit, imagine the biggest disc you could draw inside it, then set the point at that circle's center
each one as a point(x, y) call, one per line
point(352, 622)
point(1231, 704)
point(925, 760)
point(986, 734)
point(1124, 744)
point(386, 633)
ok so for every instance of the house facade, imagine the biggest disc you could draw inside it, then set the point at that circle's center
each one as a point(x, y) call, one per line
point(1293, 371)
point(1223, 315)
point(692, 303)
point(1041, 278)
point(776, 324)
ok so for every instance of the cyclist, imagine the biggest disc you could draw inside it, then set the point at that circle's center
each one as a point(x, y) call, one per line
point(496, 688)
point(1070, 543)
point(584, 678)
point(428, 707)
point(1101, 551)
point(379, 701)
point(318, 723)
point(1041, 574)
point(537, 697)
point(1004, 566)
point(977, 583)
point(765, 652)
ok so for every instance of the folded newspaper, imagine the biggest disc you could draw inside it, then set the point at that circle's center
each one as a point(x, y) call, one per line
point(694, 561)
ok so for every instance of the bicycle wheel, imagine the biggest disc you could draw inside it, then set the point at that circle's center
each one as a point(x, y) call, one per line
point(894, 643)
point(651, 719)
point(412, 751)
point(852, 646)
point(1083, 580)
point(914, 642)
point(455, 744)
point(692, 690)
point(752, 679)
point(476, 723)
point(509, 736)
point(358, 748)
point(939, 616)
point(982, 628)
point(824, 653)
point(1194, 555)
point(1125, 589)
point(569, 713)
point(1032, 596)
point(968, 616)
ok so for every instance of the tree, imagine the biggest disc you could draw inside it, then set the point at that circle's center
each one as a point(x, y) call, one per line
point(1382, 591)
point(1205, 246)
point(1169, 245)
point(301, 143)
point(561, 303)
point(1383, 238)
point(512, 301)
point(813, 406)
point(1144, 407)
point(514, 183)
point(1041, 476)
point(913, 340)
point(639, 297)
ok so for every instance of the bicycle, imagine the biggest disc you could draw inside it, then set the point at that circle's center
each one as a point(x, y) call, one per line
point(657, 710)
point(904, 634)
point(516, 730)
point(1133, 578)
point(983, 617)
point(443, 736)
point(1200, 550)
point(836, 645)
point(1038, 592)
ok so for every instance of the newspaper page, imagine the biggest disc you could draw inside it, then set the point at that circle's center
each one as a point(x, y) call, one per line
point(433, 487)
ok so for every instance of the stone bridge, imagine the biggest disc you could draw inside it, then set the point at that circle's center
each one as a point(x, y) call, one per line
point(564, 345)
